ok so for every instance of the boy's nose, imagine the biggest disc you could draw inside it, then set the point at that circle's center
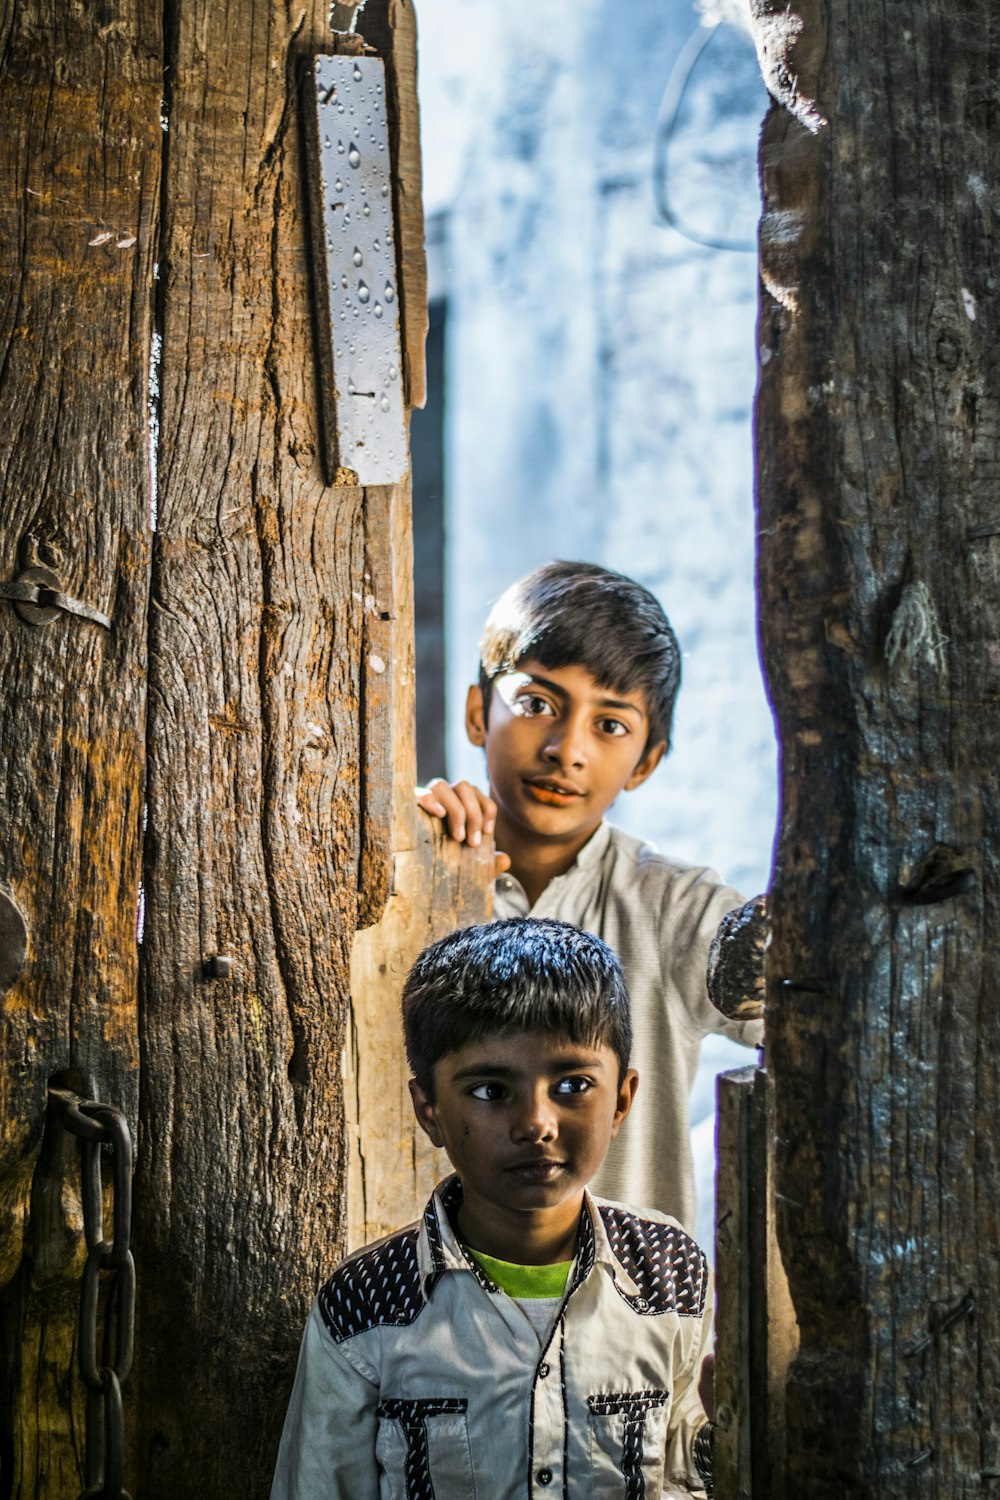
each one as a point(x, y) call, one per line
point(536, 1122)
point(566, 746)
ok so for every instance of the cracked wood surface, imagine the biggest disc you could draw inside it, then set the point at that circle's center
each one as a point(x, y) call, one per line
point(878, 430)
point(278, 777)
point(79, 165)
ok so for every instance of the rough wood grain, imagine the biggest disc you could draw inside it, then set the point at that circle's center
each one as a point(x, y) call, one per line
point(79, 164)
point(436, 885)
point(878, 435)
point(254, 768)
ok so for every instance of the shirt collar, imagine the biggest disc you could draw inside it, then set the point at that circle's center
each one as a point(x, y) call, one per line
point(588, 858)
point(439, 1249)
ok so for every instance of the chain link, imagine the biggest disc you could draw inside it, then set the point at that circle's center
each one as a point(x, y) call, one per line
point(97, 1126)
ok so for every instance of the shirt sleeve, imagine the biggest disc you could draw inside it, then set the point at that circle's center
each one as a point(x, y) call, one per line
point(327, 1449)
point(695, 905)
point(687, 1415)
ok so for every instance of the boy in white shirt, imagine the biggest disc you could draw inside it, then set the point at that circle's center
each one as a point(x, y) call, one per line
point(579, 671)
point(525, 1338)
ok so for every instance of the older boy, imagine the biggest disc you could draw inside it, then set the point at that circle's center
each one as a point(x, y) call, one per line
point(578, 675)
point(524, 1339)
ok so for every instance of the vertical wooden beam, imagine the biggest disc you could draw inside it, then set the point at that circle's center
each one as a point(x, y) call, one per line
point(878, 431)
point(79, 192)
point(415, 884)
point(256, 638)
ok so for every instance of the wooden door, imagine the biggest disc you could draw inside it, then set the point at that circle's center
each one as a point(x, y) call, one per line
point(237, 744)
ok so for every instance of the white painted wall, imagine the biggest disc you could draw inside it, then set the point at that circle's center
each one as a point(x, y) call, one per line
point(602, 367)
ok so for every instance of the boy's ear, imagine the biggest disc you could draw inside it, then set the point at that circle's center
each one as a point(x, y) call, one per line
point(475, 718)
point(424, 1111)
point(626, 1094)
point(646, 766)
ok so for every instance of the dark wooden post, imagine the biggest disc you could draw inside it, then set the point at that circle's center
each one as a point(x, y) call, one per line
point(79, 193)
point(879, 448)
point(274, 765)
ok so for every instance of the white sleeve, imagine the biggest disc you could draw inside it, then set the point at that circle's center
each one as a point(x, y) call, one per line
point(327, 1447)
point(687, 1415)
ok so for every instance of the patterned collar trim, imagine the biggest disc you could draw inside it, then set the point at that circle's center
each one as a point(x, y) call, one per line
point(439, 1249)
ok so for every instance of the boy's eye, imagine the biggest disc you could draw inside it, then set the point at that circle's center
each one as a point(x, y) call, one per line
point(574, 1085)
point(530, 705)
point(614, 727)
point(489, 1091)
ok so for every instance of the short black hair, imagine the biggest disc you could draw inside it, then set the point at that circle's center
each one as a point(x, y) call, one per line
point(578, 614)
point(522, 974)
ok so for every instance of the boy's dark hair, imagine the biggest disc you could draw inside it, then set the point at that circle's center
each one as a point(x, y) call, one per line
point(524, 974)
point(577, 614)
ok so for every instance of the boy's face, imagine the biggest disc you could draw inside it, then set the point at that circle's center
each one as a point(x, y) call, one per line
point(559, 750)
point(526, 1119)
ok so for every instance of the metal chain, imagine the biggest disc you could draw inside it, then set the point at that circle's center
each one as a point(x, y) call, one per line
point(97, 1126)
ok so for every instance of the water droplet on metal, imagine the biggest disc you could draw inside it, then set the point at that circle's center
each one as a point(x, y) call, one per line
point(363, 293)
point(384, 403)
point(366, 211)
point(385, 190)
point(376, 245)
point(357, 257)
point(340, 148)
point(377, 309)
point(390, 295)
point(357, 73)
point(354, 155)
point(393, 373)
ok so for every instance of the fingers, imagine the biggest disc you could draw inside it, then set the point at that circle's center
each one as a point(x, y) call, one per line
point(706, 1386)
point(502, 863)
point(468, 813)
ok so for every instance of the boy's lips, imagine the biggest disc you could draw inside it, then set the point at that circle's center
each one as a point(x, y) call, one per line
point(546, 789)
point(536, 1168)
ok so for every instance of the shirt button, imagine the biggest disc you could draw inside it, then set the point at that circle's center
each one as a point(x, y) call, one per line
point(640, 1304)
point(544, 1476)
point(543, 1371)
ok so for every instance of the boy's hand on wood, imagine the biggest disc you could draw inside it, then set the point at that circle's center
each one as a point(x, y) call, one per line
point(706, 1386)
point(736, 961)
point(467, 812)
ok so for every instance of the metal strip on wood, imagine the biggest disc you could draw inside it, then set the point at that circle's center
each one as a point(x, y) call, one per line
point(355, 276)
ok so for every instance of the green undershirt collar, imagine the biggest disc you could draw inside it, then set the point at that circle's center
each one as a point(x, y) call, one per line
point(523, 1281)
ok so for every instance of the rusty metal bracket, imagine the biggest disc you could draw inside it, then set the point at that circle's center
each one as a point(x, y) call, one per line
point(37, 597)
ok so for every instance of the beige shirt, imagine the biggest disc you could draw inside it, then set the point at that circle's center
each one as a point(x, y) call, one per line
point(659, 915)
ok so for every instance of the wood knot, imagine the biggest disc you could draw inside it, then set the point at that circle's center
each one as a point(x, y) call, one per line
point(937, 876)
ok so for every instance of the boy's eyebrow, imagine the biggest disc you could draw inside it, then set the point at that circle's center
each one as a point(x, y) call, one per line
point(572, 1062)
point(554, 687)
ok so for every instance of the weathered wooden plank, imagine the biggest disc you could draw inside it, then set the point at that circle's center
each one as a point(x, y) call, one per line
point(734, 1281)
point(254, 772)
point(879, 449)
point(79, 189)
point(436, 885)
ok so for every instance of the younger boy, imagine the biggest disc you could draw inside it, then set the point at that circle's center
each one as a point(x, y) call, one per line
point(524, 1339)
point(579, 670)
